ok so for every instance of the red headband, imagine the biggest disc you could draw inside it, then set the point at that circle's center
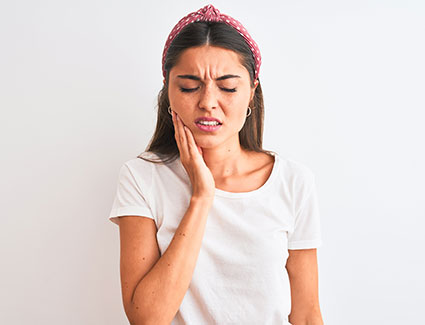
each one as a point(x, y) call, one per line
point(209, 13)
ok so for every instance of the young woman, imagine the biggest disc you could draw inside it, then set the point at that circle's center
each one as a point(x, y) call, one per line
point(214, 229)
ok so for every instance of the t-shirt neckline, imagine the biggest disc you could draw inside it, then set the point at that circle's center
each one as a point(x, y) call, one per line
point(264, 187)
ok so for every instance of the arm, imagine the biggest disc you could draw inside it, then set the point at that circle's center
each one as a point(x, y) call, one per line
point(154, 287)
point(303, 276)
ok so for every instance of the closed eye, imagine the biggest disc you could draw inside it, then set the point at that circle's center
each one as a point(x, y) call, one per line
point(189, 90)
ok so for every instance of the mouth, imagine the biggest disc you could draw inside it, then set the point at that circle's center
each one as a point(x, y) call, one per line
point(208, 127)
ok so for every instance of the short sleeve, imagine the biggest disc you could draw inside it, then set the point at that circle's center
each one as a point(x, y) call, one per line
point(306, 231)
point(131, 194)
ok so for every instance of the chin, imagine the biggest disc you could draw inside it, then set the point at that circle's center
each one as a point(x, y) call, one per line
point(206, 140)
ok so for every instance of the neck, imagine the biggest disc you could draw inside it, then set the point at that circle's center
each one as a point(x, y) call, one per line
point(226, 160)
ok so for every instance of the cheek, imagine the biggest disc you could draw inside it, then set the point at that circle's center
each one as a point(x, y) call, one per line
point(236, 115)
point(237, 103)
point(231, 102)
point(179, 100)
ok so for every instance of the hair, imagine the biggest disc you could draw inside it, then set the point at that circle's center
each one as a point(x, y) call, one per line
point(219, 34)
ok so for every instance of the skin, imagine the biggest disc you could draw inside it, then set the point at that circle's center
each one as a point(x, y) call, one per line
point(216, 159)
point(221, 149)
point(304, 281)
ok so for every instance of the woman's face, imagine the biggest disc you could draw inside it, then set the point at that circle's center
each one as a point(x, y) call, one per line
point(210, 81)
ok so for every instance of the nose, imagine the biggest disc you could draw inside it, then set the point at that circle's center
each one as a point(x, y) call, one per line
point(208, 98)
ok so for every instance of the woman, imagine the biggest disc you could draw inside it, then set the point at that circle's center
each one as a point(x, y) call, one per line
point(214, 229)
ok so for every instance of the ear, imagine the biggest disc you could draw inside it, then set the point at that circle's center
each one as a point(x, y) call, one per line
point(163, 81)
point(253, 89)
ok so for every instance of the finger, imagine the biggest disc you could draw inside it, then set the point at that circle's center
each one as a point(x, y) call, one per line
point(193, 147)
point(184, 150)
point(176, 130)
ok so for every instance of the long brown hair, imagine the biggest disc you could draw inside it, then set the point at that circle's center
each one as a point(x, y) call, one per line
point(219, 34)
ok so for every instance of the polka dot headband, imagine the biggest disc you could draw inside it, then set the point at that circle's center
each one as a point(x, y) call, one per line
point(209, 13)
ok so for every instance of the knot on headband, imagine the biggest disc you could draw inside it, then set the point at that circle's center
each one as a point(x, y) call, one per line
point(210, 13)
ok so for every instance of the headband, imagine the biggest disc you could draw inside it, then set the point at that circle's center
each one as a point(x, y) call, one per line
point(209, 13)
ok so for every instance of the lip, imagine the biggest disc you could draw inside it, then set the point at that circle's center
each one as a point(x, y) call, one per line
point(206, 118)
point(208, 128)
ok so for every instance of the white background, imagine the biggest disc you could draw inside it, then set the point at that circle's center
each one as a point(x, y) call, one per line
point(344, 93)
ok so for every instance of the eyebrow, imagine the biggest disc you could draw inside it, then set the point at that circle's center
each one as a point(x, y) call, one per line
point(192, 77)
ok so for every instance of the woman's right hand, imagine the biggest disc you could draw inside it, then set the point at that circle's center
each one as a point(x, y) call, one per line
point(203, 184)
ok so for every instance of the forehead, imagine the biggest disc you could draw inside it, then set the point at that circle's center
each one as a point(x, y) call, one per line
point(211, 60)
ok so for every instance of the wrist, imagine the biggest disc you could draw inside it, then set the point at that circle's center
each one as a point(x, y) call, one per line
point(202, 200)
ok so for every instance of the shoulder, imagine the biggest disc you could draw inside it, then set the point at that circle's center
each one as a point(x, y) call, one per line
point(142, 161)
point(152, 166)
point(260, 160)
point(297, 168)
point(138, 169)
point(289, 165)
point(295, 173)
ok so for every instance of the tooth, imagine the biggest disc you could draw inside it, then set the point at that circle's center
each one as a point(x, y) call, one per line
point(209, 122)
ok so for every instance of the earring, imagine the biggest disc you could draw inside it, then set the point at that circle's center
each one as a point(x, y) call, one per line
point(169, 110)
point(249, 110)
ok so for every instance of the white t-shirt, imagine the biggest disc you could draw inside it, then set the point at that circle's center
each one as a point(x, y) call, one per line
point(240, 275)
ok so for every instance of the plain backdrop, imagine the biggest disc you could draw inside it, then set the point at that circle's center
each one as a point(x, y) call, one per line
point(343, 83)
